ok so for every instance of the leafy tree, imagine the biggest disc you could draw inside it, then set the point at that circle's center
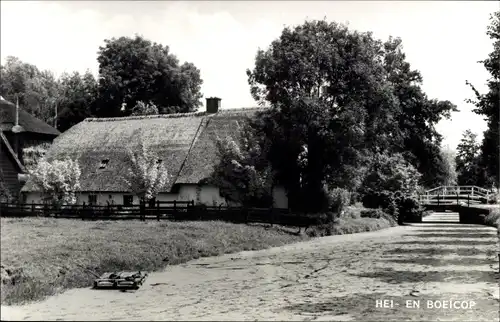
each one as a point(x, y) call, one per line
point(35, 89)
point(146, 174)
point(142, 108)
point(75, 99)
point(58, 180)
point(33, 154)
point(243, 174)
point(488, 105)
point(345, 96)
point(467, 159)
point(418, 115)
point(448, 157)
point(135, 69)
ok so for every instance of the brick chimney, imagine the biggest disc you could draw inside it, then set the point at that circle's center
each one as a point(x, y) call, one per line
point(213, 104)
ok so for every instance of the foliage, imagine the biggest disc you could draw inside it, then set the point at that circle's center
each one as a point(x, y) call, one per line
point(146, 174)
point(467, 159)
point(34, 88)
point(142, 108)
point(390, 181)
point(76, 98)
point(243, 174)
point(409, 208)
point(343, 95)
point(391, 173)
point(33, 154)
point(135, 69)
point(344, 226)
point(488, 105)
point(449, 162)
point(372, 213)
point(339, 199)
point(58, 179)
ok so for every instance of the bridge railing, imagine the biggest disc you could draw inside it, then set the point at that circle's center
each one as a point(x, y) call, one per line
point(459, 190)
point(446, 195)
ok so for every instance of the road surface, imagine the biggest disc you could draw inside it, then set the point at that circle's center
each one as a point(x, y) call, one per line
point(403, 273)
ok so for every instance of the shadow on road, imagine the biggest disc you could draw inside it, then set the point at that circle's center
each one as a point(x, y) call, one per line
point(463, 234)
point(448, 232)
point(446, 242)
point(431, 251)
point(466, 261)
point(398, 277)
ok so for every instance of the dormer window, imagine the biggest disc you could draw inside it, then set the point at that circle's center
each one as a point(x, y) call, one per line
point(104, 163)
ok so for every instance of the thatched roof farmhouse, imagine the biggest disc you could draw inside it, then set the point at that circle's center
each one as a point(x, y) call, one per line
point(184, 142)
point(18, 130)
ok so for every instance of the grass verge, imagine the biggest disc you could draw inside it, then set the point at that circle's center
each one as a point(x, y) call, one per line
point(43, 256)
point(351, 222)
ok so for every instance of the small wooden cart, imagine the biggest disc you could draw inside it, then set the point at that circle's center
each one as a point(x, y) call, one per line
point(121, 280)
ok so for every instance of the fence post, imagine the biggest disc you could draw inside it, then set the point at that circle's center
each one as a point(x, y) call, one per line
point(457, 200)
point(158, 210)
point(272, 215)
point(32, 207)
point(175, 209)
point(438, 199)
point(141, 210)
point(468, 200)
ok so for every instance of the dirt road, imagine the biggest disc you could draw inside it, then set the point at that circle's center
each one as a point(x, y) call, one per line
point(333, 278)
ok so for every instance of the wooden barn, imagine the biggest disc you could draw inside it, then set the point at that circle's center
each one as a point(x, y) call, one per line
point(184, 142)
point(18, 130)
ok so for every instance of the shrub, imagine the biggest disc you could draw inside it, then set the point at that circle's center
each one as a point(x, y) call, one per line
point(409, 208)
point(338, 200)
point(344, 226)
point(493, 219)
point(494, 198)
point(352, 212)
point(142, 108)
point(389, 185)
point(372, 213)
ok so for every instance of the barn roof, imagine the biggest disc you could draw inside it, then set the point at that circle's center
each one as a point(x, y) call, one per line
point(5, 147)
point(28, 122)
point(185, 143)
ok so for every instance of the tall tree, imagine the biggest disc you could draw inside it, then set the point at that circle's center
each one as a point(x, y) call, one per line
point(488, 105)
point(345, 96)
point(77, 96)
point(418, 115)
point(135, 69)
point(467, 159)
point(448, 155)
point(35, 89)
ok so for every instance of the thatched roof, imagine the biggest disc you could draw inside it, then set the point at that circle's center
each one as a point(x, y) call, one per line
point(28, 122)
point(185, 142)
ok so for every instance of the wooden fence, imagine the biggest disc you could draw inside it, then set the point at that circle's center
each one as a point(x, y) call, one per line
point(161, 210)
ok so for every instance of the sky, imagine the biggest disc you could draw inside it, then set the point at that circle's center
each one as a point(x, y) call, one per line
point(443, 40)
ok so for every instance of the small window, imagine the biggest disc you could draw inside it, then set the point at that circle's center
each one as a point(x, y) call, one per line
point(104, 163)
point(128, 200)
point(92, 199)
